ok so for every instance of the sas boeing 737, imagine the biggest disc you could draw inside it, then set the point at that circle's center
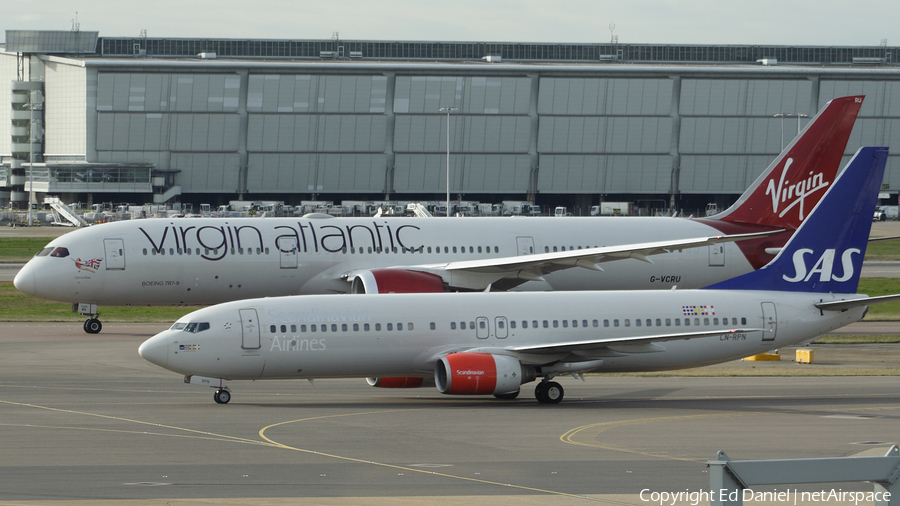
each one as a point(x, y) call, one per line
point(212, 260)
point(492, 343)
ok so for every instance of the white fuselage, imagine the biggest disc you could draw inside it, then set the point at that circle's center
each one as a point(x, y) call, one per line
point(211, 260)
point(393, 335)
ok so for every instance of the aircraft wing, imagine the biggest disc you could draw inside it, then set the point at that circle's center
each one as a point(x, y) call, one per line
point(507, 272)
point(591, 258)
point(596, 344)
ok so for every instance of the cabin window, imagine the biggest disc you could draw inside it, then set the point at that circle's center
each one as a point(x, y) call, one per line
point(715, 321)
point(496, 249)
point(668, 322)
point(188, 251)
point(677, 322)
point(512, 324)
point(312, 328)
point(409, 326)
point(696, 322)
point(324, 328)
point(333, 327)
point(343, 327)
point(431, 325)
point(706, 321)
point(452, 325)
point(743, 321)
point(293, 328)
point(42, 251)
point(302, 328)
point(627, 322)
point(266, 250)
point(565, 323)
point(454, 249)
point(471, 249)
point(355, 327)
point(606, 323)
point(479, 249)
point(595, 323)
point(378, 327)
point(447, 250)
point(534, 324)
point(546, 324)
point(524, 324)
point(399, 326)
point(555, 249)
point(615, 322)
point(272, 329)
point(366, 327)
point(546, 249)
point(500, 324)
point(481, 324)
point(429, 249)
point(649, 322)
point(637, 322)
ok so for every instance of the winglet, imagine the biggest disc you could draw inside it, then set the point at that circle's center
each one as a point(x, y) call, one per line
point(825, 254)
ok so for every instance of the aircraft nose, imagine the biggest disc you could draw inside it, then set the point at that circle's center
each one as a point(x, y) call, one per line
point(156, 349)
point(24, 280)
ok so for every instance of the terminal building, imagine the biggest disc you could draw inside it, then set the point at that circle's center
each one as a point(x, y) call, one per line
point(163, 120)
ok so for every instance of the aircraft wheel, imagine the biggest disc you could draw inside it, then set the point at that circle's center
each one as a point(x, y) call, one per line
point(92, 326)
point(553, 393)
point(540, 391)
point(507, 397)
point(549, 392)
point(222, 396)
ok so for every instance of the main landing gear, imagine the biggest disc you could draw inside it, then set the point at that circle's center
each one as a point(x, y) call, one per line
point(549, 392)
point(222, 396)
point(92, 325)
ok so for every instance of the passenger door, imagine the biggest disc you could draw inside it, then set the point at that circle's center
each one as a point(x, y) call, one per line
point(249, 329)
point(115, 254)
point(770, 321)
point(287, 247)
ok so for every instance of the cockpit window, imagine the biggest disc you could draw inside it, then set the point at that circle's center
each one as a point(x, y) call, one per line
point(196, 327)
point(60, 253)
point(177, 326)
point(44, 252)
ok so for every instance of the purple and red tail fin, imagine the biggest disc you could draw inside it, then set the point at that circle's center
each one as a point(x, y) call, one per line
point(791, 186)
point(784, 194)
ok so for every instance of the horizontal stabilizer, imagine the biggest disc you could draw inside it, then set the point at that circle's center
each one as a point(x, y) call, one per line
point(841, 305)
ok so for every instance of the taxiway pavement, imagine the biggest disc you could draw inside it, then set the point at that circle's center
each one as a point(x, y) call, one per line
point(84, 418)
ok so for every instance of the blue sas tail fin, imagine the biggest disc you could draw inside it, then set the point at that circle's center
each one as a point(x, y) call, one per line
point(826, 253)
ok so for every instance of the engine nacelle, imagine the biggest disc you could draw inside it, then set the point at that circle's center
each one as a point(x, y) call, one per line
point(404, 382)
point(396, 281)
point(478, 374)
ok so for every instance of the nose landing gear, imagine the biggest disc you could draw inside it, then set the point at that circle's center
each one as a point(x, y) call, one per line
point(92, 325)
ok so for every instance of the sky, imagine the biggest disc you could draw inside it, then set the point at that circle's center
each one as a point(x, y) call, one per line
point(775, 22)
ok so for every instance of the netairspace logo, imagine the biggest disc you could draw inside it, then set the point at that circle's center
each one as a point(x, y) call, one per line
point(789, 497)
